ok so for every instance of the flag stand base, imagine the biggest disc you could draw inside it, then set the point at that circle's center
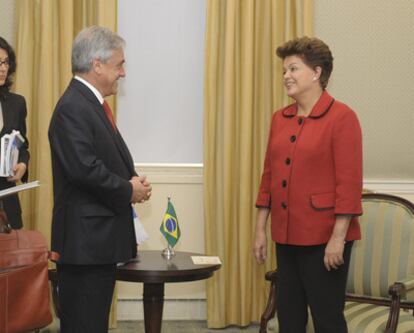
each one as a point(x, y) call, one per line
point(168, 252)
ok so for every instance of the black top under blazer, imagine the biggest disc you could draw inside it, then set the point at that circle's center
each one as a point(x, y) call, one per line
point(92, 214)
point(14, 118)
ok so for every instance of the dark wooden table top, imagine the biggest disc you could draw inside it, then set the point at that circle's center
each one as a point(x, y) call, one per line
point(152, 267)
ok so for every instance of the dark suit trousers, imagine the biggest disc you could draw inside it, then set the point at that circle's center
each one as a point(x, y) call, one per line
point(304, 281)
point(85, 296)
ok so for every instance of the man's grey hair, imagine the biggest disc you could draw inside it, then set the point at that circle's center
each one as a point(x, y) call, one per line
point(93, 43)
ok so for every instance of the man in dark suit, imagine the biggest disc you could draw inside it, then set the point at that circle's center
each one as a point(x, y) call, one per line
point(94, 184)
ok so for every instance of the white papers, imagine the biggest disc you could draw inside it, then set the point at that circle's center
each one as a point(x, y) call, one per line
point(206, 260)
point(9, 153)
point(19, 188)
point(140, 232)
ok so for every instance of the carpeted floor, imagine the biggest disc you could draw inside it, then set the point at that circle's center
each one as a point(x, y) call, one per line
point(167, 327)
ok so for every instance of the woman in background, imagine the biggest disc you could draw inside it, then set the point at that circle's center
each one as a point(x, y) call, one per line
point(311, 185)
point(12, 117)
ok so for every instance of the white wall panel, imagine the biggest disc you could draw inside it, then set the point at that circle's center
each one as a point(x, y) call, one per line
point(160, 104)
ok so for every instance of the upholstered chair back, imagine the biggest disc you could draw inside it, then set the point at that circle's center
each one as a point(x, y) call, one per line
point(386, 252)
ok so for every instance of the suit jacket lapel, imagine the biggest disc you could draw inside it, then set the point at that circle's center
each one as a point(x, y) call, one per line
point(120, 144)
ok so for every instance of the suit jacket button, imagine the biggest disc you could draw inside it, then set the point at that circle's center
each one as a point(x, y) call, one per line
point(287, 161)
point(284, 206)
point(300, 121)
point(293, 138)
point(284, 183)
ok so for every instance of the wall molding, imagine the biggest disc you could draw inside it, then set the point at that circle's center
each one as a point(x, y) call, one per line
point(163, 173)
point(185, 173)
point(395, 186)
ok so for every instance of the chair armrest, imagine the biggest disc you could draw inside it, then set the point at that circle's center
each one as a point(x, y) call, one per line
point(270, 309)
point(271, 276)
point(397, 292)
point(408, 283)
point(407, 287)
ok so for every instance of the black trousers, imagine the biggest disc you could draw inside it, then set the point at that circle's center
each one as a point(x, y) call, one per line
point(85, 296)
point(304, 281)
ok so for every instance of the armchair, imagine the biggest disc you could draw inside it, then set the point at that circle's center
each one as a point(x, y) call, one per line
point(380, 287)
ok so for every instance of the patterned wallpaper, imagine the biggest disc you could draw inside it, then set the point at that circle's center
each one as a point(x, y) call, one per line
point(373, 45)
point(7, 28)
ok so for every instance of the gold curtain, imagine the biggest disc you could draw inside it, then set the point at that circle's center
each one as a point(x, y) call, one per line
point(45, 32)
point(242, 88)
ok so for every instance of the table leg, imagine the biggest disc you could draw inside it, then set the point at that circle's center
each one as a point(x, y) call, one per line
point(153, 305)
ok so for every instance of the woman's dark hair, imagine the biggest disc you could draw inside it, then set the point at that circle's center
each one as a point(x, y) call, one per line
point(4, 89)
point(313, 52)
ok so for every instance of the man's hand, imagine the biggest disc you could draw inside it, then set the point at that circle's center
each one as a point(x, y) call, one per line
point(19, 170)
point(141, 189)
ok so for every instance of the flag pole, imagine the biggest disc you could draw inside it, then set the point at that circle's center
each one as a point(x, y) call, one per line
point(168, 252)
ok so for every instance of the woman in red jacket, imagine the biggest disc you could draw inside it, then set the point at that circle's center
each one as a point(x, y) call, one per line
point(311, 185)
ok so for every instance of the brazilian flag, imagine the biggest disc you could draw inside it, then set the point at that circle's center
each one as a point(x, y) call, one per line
point(169, 226)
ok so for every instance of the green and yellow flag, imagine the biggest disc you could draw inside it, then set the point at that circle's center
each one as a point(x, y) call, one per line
point(169, 226)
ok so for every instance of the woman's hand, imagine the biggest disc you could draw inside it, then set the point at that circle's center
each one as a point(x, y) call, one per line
point(334, 253)
point(19, 170)
point(260, 240)
point(260, 246)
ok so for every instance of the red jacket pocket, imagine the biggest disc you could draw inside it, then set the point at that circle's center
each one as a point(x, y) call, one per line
point(323, 201)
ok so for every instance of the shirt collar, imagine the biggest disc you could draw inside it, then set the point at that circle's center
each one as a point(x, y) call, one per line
point(92, 88)
point(321, 107)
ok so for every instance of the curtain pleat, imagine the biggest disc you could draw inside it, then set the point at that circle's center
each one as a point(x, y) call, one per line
point(45, 32)
point(242, 88)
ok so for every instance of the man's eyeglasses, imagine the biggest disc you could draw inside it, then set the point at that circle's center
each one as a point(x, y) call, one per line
point(6, 63)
